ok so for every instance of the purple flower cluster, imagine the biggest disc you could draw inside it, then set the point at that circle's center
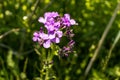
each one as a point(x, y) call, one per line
point(54, 25)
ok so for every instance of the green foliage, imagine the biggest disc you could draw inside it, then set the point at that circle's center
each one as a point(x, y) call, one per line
point(20, 58)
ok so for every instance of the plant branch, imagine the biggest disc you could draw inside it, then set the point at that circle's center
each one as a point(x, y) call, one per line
point(8, 32)
point(102, 40)
point(111, 49)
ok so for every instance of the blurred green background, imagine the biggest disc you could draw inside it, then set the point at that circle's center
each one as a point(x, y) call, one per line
point(19, 19)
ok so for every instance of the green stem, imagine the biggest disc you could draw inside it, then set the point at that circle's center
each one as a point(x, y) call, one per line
point(46, 77)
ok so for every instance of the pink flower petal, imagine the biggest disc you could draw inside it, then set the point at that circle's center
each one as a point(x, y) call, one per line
point(67, 16)
point(41, 20)
point(34, 39)
point(59, 33)
point(46, 44)
point(72, 21)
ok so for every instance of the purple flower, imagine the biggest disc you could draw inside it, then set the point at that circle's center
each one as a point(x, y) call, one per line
point(42, 38)
point(46, 40)
point(55, 36)
point(48, 16)
point(58, 35)
point(36, 36)
point(49, 21)
point(67, 21)
point(47, 43)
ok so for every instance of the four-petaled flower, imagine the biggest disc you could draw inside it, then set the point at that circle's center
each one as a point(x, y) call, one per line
point(67, 21)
